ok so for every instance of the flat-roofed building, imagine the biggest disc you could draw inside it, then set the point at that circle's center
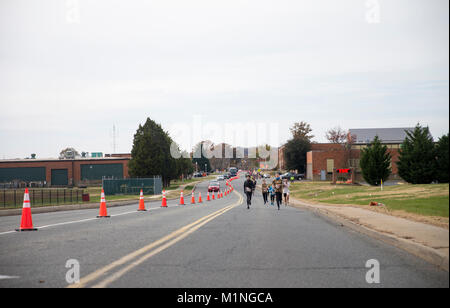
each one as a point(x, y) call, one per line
point(63, 172)
point(324, 157)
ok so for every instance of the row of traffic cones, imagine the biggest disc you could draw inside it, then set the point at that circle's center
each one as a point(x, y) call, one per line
point(26, 223)
point(209, 197)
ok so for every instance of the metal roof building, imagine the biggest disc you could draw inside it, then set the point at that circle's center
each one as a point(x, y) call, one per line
point(386, 135)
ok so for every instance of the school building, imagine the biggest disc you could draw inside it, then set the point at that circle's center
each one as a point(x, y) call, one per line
point(324, 157)
point(62, 172)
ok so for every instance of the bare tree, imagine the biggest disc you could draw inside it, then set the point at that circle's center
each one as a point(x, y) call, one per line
point(337, 135)
point(348, 146)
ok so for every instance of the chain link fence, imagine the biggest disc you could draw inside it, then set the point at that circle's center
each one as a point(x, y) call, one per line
point(149, 186)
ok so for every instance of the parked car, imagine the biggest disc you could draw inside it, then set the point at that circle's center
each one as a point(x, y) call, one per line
point(198, 175)
point(213, 186)
point(293, 176)
point(220, 178)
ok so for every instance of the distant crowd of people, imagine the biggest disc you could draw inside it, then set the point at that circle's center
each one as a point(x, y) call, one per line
point(278, 189)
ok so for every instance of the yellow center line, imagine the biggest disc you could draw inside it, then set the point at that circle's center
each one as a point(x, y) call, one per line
point(169, 240)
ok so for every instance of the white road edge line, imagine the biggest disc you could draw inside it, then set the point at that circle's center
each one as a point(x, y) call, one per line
point(8, 277)
point(83, 220)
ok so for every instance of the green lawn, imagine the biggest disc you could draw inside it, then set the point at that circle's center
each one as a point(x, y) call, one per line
point(428, 200)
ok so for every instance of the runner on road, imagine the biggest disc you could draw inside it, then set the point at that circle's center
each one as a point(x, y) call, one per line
point(254, 184)
point(265, 191)
point(272, 194)
point(248, 189)
point(278, 185)
point(286, 186)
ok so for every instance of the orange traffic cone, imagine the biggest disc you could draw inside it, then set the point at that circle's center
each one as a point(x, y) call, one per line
point(207, 197)
point(213, 196)
point(192, 198)
point(103, 213)
point(200, 197)
point(182, 198)
point(26, 224)
point(164, 200)
point(141, 202)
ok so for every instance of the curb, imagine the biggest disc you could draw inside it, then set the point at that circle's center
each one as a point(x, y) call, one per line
point(426, 253)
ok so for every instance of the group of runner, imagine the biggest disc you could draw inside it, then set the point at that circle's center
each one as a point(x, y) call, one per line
point(278, 189)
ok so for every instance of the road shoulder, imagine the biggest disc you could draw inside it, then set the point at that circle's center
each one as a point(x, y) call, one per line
point(428, 242)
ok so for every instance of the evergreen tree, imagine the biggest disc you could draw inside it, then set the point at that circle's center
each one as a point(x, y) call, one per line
point(442, 160)
point(375, 163)
point(151, 153)
point(417, 160)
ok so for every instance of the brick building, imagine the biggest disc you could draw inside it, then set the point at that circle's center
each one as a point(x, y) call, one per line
point(324, 157)
point(63, 172)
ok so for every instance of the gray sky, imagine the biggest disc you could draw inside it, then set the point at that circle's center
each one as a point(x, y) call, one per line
point(69, 70)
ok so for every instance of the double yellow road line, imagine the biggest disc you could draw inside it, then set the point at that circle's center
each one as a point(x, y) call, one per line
point(108, 273)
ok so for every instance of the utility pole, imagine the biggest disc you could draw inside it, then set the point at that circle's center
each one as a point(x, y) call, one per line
point(114, 138)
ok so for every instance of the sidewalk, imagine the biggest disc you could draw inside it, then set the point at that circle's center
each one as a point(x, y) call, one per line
point(428, 242)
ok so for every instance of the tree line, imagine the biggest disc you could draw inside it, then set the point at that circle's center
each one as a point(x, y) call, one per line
point(421, 160)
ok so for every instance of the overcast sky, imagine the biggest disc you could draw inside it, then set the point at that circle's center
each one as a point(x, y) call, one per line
point(70, 70)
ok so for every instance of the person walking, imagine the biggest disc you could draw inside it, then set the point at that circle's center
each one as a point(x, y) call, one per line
point(278, 185)
point(265, 191)
point(286, 186)
point(248, 189)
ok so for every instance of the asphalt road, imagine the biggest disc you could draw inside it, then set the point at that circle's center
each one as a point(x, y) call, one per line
point(217, 244)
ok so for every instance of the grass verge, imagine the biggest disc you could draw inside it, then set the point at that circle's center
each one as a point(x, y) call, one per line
point(425, 200)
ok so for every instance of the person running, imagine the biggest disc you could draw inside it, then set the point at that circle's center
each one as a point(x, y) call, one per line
point(254, 184)
point(278, 185)
point(286, 186)
point(248, 189)
point(265, 190)
point(272, 195)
